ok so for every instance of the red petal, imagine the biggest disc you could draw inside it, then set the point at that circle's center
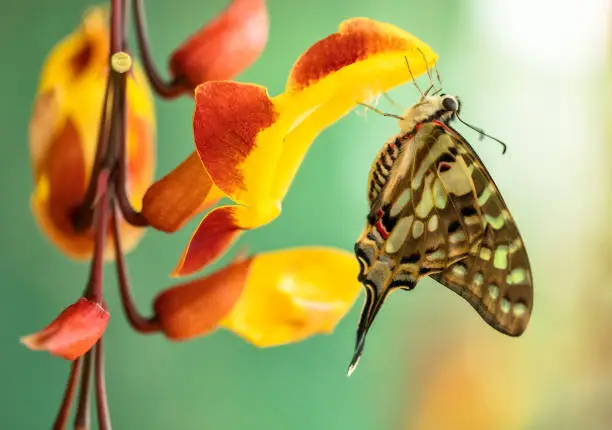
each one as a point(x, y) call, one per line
point(195, 308)
point(74, 332)
point(227, 118)
point(356, 40)
point(225, 46)
point(213, 236)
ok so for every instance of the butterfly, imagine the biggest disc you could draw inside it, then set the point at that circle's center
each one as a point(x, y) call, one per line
point(435, 211)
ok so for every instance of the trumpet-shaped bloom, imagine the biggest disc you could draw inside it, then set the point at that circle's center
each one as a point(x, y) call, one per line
point(64, 130)
point(225, 46)
point(74, 332)
point(269, 299)
point(251, 145)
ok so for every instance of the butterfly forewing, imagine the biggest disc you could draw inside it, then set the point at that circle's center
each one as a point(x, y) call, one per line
point(436, 211)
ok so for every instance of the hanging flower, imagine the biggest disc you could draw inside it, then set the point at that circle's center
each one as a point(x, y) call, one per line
point(269, 299)
point(64, 135)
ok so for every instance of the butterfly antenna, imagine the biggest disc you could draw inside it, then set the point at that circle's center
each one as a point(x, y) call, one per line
point(413, 79)
point(431, 81)
point(482, 134)
point(438, 76)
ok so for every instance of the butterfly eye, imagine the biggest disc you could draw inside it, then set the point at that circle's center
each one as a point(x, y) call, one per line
point(450, 104)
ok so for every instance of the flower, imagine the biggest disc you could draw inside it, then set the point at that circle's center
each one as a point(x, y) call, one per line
point(224, 47)
point(248, 148)
point(74, 332)
point(269, 299)
point(251, 145)
point(64, 135)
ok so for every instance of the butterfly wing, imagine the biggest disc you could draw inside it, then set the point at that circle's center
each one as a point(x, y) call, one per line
point(435, 211)
point(416, 224)
point(495, 276)
point(439, 213)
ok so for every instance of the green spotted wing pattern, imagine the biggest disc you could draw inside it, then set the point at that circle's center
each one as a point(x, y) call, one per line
point(435, 211)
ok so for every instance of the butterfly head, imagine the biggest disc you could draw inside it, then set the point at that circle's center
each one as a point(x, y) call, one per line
point(442, 107)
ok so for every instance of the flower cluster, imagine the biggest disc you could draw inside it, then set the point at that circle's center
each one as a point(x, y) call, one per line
point(92, 147)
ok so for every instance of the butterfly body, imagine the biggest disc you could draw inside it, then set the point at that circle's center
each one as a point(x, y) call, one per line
point(435, 211)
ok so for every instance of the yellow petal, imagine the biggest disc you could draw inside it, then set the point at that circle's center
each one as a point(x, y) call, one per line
point(293, 294)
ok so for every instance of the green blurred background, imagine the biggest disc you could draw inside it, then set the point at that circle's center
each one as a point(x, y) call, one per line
point(533, 73)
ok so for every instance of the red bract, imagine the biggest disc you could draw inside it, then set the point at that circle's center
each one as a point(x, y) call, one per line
point(74, 332)
point(225, 46)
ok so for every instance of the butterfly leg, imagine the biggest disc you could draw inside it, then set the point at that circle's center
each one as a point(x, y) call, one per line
point(378, 111)
point(393, 102)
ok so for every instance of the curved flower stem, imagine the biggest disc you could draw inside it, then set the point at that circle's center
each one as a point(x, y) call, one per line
point(83, 215)
point(168, 90)
point(82, 419)
point(125, 18)
point(137, 321)
point(64, 411)
point(101, 399)
point(95, 284)
point(116, 26)
point(132, 216)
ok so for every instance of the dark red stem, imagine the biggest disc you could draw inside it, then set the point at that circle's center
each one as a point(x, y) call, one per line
point(82, 419)
point(101, 399)
point(137, 321)
point(64, 411)
point(96, 284)
point(129, 214)
point(116, 26)
point(83, 215)
point(168, 90)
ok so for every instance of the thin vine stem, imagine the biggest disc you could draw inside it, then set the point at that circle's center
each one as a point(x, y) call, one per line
point(137, 321)
point(132, 216)
point(167, 90)
point(82, 419)
point(64, 410)
point(104, 422)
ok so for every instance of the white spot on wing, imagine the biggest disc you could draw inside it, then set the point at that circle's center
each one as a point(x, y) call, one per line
point(399, 234)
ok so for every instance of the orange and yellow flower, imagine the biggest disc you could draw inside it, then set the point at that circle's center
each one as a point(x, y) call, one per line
point(249, 147)
point(64, 132)
point(269, 299)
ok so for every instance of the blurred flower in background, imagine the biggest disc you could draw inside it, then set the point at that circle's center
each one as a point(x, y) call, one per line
point(64, 135)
